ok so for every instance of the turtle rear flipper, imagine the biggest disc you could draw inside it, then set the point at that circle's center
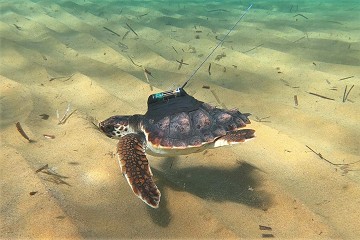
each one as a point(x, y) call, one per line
point(234, 137)
point(135, 167)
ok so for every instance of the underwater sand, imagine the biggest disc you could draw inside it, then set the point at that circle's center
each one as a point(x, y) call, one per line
point(55, 54)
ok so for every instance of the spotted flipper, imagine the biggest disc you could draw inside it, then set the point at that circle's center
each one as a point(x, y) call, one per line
point(234, 137)
point(135, 167)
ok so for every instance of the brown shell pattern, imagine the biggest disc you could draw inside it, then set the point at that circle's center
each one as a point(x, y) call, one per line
point(194, 128)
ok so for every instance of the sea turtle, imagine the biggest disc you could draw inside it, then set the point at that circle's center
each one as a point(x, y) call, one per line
point(174, 126)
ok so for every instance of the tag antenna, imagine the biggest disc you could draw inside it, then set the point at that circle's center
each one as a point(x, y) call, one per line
point(222, 40)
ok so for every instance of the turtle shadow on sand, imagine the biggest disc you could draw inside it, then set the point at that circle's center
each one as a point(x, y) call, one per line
point(237, 185)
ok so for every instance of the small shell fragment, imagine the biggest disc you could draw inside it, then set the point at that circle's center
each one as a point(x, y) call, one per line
point(48, 136)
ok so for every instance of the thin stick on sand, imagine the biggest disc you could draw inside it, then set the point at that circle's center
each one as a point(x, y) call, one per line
point(134, 62)
point(262, 227)
point(42, 168)
point(131, 29)
point(262, 119)
point(53, 176)
point(296, 100)
point(17, 27)
point(108, 29)
point(146, 72)
point(318, 95)
point(299, 14)
point(22, 132)
point(147, 78)
point(142, 15)
point(253, 48)
point(299, 39)
point(346, 94)
point(345, 78)
point(334, 164)
point(181, 62)
point(218, 10)
point(67, 78)
point(175, 50)
point(125, 35)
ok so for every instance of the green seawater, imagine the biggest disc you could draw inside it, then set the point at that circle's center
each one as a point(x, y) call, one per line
point(294, 65)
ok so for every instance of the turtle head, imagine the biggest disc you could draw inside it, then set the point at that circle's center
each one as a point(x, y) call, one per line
point(116, 126)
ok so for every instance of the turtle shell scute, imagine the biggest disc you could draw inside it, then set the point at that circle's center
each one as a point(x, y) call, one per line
point(193, 129)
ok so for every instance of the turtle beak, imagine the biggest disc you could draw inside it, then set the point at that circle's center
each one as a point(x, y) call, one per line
point(106, 129)
point(101, 126)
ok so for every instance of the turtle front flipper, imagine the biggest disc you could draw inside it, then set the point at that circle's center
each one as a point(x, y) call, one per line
point(135, 167)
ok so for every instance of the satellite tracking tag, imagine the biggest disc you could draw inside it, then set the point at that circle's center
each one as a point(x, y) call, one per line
point(163, 96)
point(171, 102)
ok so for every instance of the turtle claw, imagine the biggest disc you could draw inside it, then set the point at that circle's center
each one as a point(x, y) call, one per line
point(135, 167)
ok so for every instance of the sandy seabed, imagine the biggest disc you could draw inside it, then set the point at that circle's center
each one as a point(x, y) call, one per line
point(299, 176)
